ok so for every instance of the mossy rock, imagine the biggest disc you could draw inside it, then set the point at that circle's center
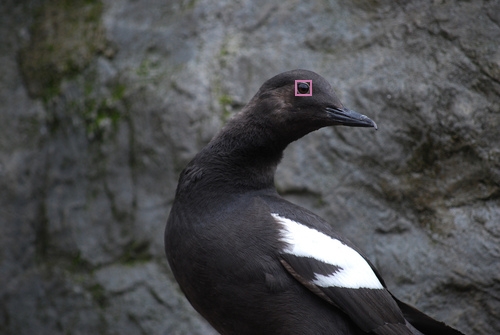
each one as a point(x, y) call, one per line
point(65, 36)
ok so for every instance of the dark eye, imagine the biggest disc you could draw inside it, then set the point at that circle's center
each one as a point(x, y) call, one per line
point(302, 88)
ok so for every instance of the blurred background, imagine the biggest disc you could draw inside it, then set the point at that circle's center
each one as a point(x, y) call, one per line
point(102, 104)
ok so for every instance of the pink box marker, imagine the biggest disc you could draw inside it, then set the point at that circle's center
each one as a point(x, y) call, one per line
point(310, 82)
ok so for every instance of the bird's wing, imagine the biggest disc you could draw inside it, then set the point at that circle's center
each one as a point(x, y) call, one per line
point(423, 322)
point(340, 275)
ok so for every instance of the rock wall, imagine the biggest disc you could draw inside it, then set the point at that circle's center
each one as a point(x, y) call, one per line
point(102, 103)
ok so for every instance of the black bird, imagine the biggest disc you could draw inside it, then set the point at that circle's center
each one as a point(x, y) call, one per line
point(251, 262)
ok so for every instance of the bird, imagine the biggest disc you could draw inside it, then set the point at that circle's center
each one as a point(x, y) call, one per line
point(251, 262)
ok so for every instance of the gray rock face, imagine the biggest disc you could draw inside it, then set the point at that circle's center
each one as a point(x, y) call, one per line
point(103, 103)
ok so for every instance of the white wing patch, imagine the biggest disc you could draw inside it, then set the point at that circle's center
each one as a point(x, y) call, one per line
point(303, 241)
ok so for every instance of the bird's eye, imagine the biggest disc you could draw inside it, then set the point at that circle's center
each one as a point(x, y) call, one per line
point(302, 88)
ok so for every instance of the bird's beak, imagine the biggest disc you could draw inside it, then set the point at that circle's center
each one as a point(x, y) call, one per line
point(346, 117)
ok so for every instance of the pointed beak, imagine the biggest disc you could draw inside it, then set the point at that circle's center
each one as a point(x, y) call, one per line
point(346, 117)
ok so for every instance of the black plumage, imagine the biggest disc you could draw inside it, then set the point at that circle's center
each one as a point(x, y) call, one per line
point(253, 263)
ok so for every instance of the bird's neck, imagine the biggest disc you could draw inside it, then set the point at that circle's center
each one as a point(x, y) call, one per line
point(242, 156)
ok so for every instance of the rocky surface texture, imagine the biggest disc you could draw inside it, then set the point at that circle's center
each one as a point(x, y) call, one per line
point(103, 103)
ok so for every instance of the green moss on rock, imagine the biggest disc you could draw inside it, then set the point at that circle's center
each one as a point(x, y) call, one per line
point(136, 252)
point(98, 294)
point(65, 36)
point(226, 102)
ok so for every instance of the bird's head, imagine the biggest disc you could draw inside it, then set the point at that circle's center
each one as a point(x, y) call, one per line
point(301, 101)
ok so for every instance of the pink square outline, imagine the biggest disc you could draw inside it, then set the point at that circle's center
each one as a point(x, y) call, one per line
point(310, 82)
